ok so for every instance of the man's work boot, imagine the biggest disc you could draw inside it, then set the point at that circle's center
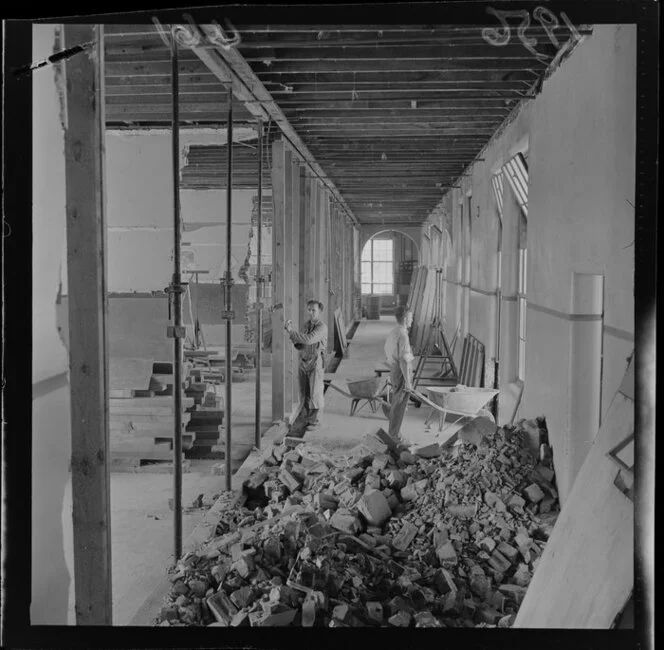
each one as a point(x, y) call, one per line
point(313, 421)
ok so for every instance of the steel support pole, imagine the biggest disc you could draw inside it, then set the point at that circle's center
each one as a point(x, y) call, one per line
point(176, 293)
point(229, 209)
point(259, 287)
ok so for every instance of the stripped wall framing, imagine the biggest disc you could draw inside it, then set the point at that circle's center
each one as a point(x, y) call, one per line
point(312, 258)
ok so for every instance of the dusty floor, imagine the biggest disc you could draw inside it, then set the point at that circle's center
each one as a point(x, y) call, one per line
point(142, 528)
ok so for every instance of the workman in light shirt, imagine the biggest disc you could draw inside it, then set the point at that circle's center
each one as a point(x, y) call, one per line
point(399, 359)
point(311, 343)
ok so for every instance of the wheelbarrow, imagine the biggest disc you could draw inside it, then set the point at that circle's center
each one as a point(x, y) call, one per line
point(372, 391)
point(464, 401)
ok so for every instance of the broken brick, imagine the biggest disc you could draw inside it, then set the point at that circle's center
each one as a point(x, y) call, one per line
point(407, 458)
point(429, 451)
point(345, 522)
point(405, 536)
point(325, 501)
point(444, 582)
point(409, 492)
point(400, 619)
point(534, 493)
point(499, 562)
point(508, 551)
point(463, 512)
point(447, 554)
point(374, 611)
point(426, 619)
point(288, 480)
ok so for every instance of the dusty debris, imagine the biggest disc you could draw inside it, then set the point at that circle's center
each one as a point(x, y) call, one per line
point(379, 536)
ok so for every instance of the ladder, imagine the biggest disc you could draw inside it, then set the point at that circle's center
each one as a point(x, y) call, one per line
point(436, 366)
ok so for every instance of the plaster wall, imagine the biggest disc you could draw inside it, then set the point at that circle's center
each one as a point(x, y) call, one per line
point(580, 136)
point(51, 430)
point(140, 217)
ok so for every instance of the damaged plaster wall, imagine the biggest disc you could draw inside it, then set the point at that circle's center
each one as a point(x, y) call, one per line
point(51, 430)
point(140, 224)
point(581, 136)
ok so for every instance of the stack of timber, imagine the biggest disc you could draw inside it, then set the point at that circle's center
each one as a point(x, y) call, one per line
point(141, 415)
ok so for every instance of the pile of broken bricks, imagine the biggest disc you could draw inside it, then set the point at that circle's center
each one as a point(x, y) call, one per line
point(441, 537)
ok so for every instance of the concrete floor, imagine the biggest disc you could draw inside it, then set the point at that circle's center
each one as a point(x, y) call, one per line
point(141, 521)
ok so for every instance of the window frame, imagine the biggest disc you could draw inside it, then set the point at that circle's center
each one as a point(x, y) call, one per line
point(385, 280)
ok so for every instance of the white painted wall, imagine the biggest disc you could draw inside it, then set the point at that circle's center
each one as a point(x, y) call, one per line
point(581, 136)
point(51, 431)
point(140, 216)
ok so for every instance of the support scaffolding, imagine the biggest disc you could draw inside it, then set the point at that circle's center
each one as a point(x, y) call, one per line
point(259, 287)
point(176, 331)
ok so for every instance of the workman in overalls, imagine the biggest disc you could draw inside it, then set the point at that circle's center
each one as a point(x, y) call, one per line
point(311, 343)
point(399, 359)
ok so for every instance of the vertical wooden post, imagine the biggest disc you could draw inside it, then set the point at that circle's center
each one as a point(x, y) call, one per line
point(325, 248)
point(88, 370)
point(318, 260)
point(278, 295)
point(296, 287)
point(289, 311)
point(305, 268)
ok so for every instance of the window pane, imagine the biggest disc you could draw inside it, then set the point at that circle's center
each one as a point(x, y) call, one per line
point(382, 272)
point(382, 288)
point(382, 250)
point(366, 253)
point(366, 288)
point(366, 271)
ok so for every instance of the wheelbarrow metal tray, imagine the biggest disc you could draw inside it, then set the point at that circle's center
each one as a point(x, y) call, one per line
point(366, 388)
point(463, 399)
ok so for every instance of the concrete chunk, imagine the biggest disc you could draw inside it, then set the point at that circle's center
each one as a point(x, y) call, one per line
point(374, 508)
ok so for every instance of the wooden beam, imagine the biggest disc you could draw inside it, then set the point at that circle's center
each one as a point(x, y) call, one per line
point(310, 219)
point(398, 65)
point(278, 284)
point(409, 52)
point(231, 66)
point(88, 371)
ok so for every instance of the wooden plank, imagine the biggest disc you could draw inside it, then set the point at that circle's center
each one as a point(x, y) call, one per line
point(586, 573)
point(88, 369)
point(139, 418)
point(130, 373)
point(278, 294)
point(144, 402)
